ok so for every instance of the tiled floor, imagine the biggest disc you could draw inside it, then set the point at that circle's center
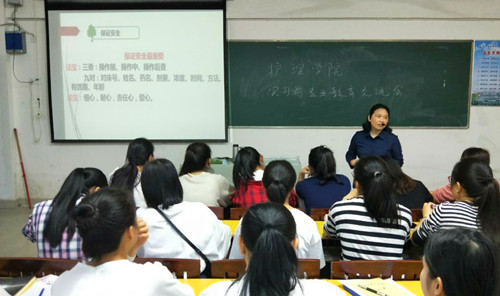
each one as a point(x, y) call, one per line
point(12, 241)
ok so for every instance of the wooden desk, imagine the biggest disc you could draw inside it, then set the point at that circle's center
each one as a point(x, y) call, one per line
point(233, 224)
point(199, 285)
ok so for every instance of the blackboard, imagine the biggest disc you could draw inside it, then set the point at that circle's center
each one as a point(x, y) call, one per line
point(321, 84)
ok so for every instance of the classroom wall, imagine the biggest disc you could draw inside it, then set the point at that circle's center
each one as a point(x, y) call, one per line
point(429, 153)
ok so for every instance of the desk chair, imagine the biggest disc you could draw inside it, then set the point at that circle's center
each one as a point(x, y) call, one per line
point(416, 215)
point(218, 211)
point(181, 268)
point(237, 213)
point(33, 266)
point(319, 214)
point(233, 268)
point(398, 270)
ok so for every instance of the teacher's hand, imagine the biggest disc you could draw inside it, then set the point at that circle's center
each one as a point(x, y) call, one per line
point(353, 162)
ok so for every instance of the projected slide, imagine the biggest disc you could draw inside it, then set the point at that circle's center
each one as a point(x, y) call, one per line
point(118, 75)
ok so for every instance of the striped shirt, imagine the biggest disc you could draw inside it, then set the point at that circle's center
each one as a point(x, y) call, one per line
point(360, 236)
point(68, 248)
point(447, 215)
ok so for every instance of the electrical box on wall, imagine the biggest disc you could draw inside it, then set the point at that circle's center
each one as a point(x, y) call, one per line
point(15, 2)
point(15, 42)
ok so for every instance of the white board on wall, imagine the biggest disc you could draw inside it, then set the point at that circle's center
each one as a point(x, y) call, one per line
point(122, 74)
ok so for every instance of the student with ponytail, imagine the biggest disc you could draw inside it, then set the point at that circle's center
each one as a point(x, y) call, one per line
point(248, 171)
point(477, 203)
point(279, 179)
point(267, 242)
point(50, 225)
point(139, 152)
point(111, 237)
point(371, 226)
point(324, 187)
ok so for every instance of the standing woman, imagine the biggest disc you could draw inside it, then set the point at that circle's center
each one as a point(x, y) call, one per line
point(371, 226)
point(49, 225)
point(111, 236)
point(324, 187)
point(198, 184)
point(376, 138)
point(477, 203)
point(268, 241)
point(248, 170)
point(128, 176)
point(163, 192)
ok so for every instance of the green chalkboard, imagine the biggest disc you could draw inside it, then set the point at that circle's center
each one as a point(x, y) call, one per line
point(314, 84)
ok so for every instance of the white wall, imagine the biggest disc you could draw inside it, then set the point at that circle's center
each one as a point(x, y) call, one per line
point(429, 153)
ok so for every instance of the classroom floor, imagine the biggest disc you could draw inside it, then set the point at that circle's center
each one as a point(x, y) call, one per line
point(12, 241)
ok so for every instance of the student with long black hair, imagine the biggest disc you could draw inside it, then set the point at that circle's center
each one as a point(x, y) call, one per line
point(324, 187)
point(163, 191)
point(443, 194)
point(248, 171)
point(111, 237)
point(371, 226)
point(410, 193)
point(477, 203)
point(460, 262)
point(139, 152)
point(267, 242)
point(198, 183)
point(50, 225)
point(279, 179)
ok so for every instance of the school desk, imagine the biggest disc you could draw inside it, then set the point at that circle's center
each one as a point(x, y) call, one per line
point(199, 285)
point(234, 223)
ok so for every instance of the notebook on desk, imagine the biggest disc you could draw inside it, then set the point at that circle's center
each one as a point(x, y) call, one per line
point(375, 287)
point(38, 286)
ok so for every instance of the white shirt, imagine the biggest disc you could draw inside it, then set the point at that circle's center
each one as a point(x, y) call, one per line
point(309, 287)
point(258, 175)
point(138, 195)
point(120, 278)
point(196, 221)
point(206, 188)
point(310, 245)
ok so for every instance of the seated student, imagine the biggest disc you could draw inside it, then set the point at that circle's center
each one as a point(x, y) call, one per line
point(268, 240)
point(163, 192)
point(459, 262)
point(111, 236)
point(371, 226)
point(409, 192)
point(477, 203)
point(139, 152)
point(248, 170)
point(279, 178)
point(324, 187)
point(50, 226)
point(199, 185)
point(444, 193)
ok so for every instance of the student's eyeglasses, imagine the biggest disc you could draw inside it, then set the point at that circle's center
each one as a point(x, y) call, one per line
point(449, 179)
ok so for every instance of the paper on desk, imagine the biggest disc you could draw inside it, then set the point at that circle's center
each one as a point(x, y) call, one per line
point(3, 292)
point(387, 286)
point(33, 288)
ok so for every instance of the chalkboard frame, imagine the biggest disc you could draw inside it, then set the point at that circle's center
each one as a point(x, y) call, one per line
point(466, 93)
